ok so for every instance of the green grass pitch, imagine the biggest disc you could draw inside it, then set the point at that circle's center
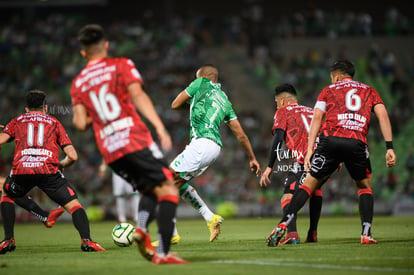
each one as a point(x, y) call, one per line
point(240, 249)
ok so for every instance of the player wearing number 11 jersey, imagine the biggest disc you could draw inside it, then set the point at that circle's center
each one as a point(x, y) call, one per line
point(346, 106)
point(38, 138)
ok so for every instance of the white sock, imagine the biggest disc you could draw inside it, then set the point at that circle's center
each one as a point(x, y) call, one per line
point(190, 195)
point(120, 208)
point(134, 202)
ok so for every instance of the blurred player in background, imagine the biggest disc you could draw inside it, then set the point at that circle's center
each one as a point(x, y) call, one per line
point(209, 107)
point(126, 199)
point(291, 126)
point(37, 138)
point(346, 106)
point(105, 95)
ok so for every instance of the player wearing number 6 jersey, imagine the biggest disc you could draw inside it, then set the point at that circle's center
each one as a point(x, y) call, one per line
point(291, 126)
point(105, 95)
point(346, 106)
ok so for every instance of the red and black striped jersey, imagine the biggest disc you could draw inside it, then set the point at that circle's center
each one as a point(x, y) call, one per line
point(37, 138)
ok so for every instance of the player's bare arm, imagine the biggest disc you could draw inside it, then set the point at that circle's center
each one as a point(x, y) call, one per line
point(180, 101)
point(4, 138)
point(70, 158)
point(81, 120)
point(245, 142)
point(146, 108)
point(315, 127)
point(386, 130)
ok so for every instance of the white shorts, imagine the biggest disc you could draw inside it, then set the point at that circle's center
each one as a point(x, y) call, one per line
point(196, 158)
point(120, 186)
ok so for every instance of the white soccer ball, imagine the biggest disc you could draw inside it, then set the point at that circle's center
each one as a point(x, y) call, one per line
point(122, 234)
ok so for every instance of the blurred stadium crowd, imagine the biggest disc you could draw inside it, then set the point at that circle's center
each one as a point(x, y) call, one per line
point(42, 52)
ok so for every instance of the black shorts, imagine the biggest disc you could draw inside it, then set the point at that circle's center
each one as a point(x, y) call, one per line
point(142, 170)
point(294, 178)
point(332, 151)
point(56, 186)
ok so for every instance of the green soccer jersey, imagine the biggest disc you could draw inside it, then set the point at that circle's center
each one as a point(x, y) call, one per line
point(209, 107)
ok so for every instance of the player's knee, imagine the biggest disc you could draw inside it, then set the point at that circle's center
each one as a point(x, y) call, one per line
point(286, 197)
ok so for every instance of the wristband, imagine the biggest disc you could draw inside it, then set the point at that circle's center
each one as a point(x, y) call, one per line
point(388, 144)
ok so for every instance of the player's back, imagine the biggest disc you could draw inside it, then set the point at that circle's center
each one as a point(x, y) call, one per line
point(209, 108)
point(38, 138)
point(348, 109)
point(295, 120)
point(102, 87)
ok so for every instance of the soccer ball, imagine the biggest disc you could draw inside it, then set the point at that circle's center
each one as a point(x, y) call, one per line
point(122, 234)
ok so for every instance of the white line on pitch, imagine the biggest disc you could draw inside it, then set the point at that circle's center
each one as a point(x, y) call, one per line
point(318, 266)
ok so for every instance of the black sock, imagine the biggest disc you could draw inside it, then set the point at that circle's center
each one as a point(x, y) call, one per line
point(146, 210)
point(315, 206)
point(366, 212)
point(30, 205)
point(165, 221)
point(81, 222)
point(298, 200)
point(8, 214)
point(292, 225)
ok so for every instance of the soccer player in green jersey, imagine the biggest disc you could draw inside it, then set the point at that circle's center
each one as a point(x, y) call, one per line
point(209, 107)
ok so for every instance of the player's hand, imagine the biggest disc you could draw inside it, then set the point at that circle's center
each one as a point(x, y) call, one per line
point(265, 178)
point(255, 167)
point(307, 161)
point(390, 158)
point(165, 139)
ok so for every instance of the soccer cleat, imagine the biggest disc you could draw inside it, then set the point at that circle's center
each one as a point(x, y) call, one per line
point(290, 238)
point(277, 234)
point(143, 241)
point(365, 239)
point(7, 246)
point(53, 216)
point(312, 237)
point(174, 240)
point(91, 246)
point(171, 258)
point(214, 226)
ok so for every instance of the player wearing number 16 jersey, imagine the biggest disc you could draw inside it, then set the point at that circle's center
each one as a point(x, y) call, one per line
point(346, 106)
point(291, 126)
point(105, 95)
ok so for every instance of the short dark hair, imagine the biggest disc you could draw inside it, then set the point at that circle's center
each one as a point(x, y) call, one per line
point(91, 34)
point(344, 66)
point(35, 99)
point(285, 88)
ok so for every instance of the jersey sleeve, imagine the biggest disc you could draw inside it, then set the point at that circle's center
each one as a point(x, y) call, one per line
point(194, 86)
point(10, 128)
point(321, 101)
point(62, 136)
point(74, 92)
point(129, 72)
point(280, 121)
point(230, 114)
point(376, 98)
